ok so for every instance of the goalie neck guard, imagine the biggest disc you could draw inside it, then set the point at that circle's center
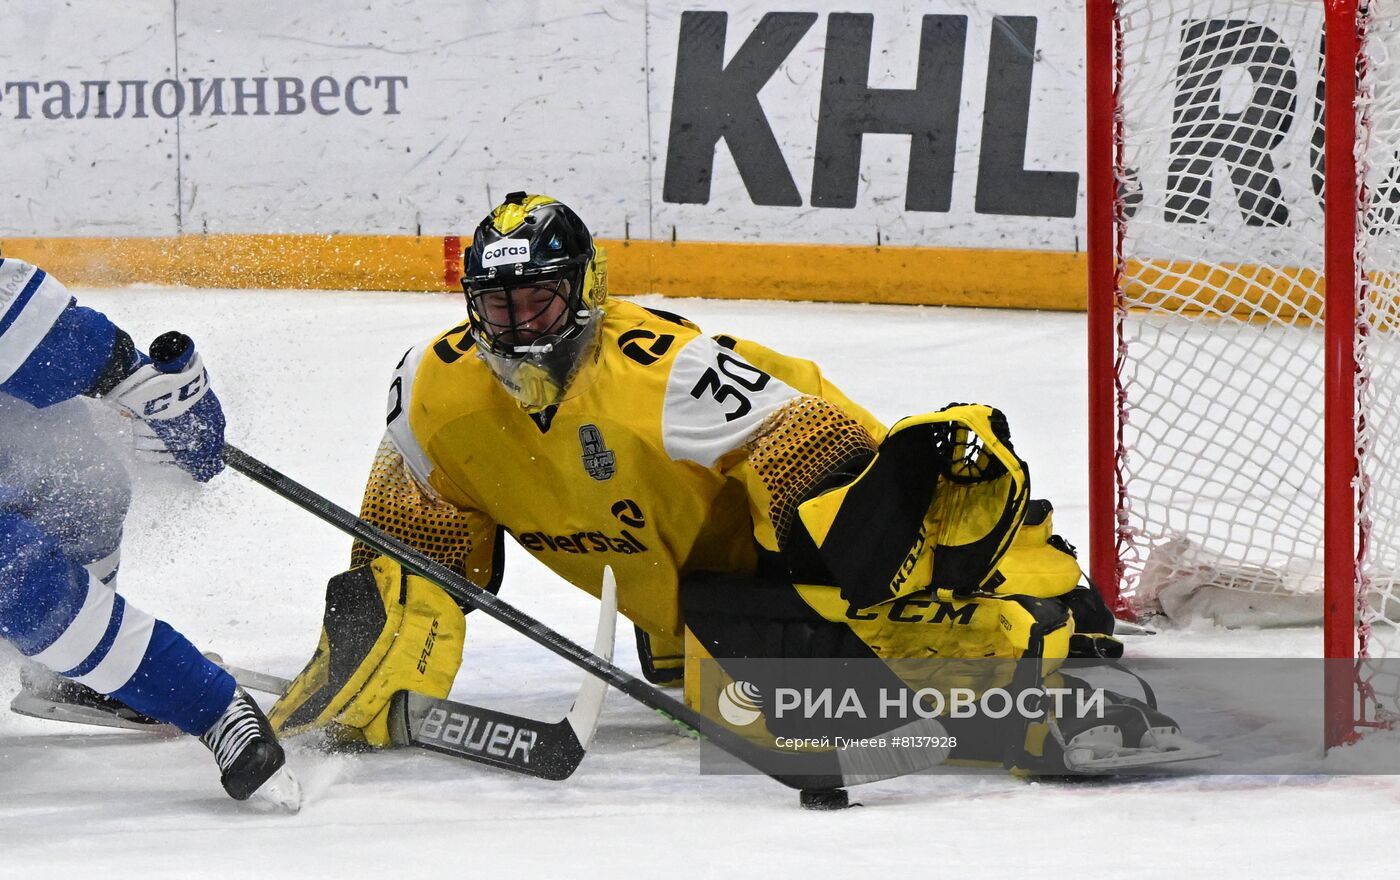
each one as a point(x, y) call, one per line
point(535, 285)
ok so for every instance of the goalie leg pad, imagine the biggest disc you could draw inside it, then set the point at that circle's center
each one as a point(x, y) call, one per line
point(730, 617)
point(1040, 563)
point(733, 616)
point(384, 631)
point(737, 616)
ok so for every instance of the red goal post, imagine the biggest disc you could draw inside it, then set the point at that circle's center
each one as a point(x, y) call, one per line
point(1243, 308)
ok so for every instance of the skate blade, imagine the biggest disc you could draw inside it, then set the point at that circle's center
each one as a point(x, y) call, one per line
point(281, 791)
point(1181, 750)
point(35, 706)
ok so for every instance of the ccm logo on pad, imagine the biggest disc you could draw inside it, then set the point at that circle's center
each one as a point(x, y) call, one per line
point(506, 252)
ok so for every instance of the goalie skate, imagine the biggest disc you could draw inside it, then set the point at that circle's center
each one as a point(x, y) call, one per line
point(1128, 737)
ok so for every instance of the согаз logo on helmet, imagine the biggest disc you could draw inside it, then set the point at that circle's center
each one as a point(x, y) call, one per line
point(506, 252)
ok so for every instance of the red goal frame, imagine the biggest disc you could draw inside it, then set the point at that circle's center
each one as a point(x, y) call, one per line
point(1344, 533)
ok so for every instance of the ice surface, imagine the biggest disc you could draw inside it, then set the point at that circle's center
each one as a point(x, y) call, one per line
point(303, 378)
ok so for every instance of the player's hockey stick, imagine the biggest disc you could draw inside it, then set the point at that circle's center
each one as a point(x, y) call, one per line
point(487, 736)
point(838, 768)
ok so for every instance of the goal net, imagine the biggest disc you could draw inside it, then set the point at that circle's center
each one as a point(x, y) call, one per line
point(1245, 365)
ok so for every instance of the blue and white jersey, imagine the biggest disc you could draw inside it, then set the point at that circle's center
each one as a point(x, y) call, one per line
point(62, 503)
point(51, 349)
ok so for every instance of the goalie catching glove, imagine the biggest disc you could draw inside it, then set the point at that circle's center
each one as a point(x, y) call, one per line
point(385, 630)
point(937, 506)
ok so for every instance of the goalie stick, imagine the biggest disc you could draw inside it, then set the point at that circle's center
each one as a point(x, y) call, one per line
point(488, 736)
point(838, 768)
point(549, 751)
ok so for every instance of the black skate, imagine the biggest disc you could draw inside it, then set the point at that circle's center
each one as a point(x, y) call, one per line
point(249, 756)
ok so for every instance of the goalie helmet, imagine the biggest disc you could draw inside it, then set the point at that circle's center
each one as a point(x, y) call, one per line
point(535, 285)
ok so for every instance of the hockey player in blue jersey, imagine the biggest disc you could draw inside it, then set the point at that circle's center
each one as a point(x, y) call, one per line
point(63, 498)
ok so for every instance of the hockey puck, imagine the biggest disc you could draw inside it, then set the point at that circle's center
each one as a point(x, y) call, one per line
point(824, 799)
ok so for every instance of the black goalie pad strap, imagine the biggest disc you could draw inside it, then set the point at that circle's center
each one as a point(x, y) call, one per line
point(354, 619)
point(663, 669)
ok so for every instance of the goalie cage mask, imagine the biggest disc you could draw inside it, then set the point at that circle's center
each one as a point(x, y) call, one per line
point(535, 284)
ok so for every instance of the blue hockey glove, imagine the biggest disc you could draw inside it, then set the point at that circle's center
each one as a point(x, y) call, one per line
point(180, 419)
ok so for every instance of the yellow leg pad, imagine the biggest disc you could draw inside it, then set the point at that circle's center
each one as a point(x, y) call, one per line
point(384, 631)
point(694, 653)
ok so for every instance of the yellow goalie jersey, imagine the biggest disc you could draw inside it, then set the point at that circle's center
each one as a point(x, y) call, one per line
point(673, 453)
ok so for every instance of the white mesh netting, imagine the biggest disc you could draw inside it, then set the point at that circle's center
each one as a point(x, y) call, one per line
point(1378, 346)
point(1220, 357)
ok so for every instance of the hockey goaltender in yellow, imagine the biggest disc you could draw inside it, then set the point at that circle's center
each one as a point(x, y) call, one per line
point(747, 506)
